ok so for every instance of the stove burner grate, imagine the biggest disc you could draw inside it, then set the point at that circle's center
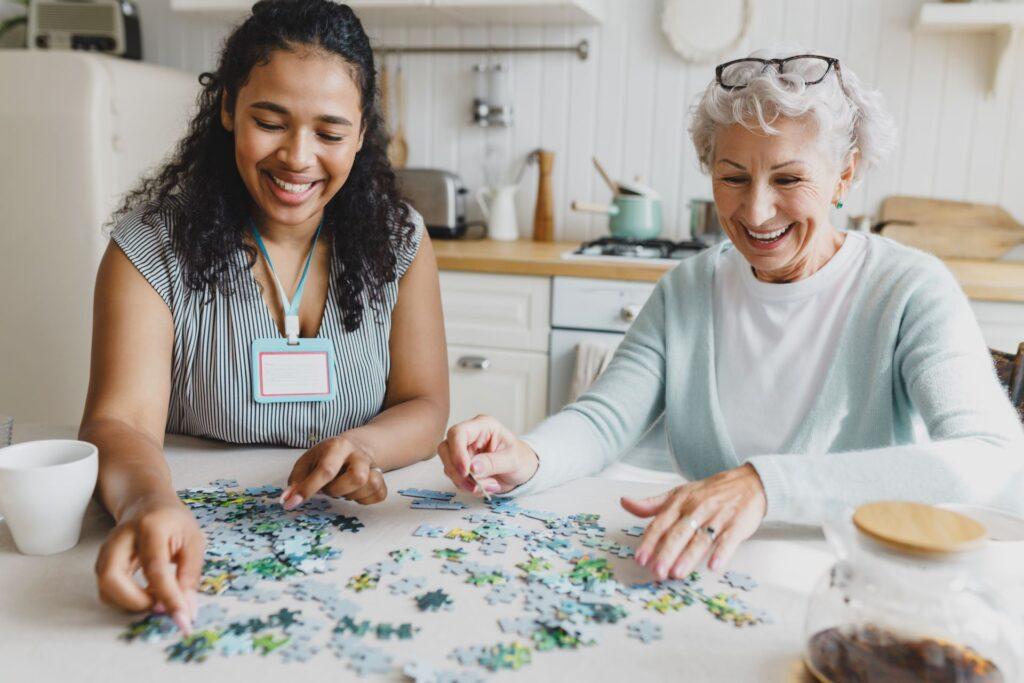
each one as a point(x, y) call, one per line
point(654, 249)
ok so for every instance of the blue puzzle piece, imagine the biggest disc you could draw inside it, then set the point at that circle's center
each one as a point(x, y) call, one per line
point(739, 580)
point(645, 630)
point(427, 494)
point(370, 660)
point(230, 644)
point(505, 506)
point(428, 504)
point(504, 593)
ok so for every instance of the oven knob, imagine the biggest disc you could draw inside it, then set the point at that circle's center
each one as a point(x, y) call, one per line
point(474, 363)
point(630, 312)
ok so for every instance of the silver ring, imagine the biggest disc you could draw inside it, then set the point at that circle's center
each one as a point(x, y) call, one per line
point(710, 531)
point(693, 523)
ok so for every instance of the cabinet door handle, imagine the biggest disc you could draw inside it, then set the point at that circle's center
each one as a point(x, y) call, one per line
point(474, 363)
point(629, 312)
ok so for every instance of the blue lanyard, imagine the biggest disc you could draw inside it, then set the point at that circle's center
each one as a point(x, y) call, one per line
point(291, 308)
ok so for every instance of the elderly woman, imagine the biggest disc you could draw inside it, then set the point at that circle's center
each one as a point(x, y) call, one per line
point(798, 366)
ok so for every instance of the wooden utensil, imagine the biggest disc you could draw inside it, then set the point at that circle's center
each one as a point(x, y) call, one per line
point(612, 185)
point(398, 148)
point(544, 212)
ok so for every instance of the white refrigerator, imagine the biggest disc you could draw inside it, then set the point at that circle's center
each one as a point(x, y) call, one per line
point(77, 130)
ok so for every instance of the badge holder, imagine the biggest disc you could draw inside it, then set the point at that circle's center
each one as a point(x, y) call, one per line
point(293, 369)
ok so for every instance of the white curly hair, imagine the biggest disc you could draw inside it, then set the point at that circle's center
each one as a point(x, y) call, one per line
point(848, 115)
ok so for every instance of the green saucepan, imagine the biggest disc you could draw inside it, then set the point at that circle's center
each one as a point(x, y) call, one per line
point(633, 217)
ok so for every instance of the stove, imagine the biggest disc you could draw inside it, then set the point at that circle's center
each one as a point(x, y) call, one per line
point(652, 251)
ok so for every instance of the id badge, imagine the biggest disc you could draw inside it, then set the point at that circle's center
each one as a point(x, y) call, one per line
point(292, 373)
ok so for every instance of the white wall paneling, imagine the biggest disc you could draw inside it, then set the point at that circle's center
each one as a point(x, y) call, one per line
point(950, 175)
point(628, 103)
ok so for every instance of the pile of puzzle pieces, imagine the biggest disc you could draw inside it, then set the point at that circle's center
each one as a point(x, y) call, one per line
point(258, 552)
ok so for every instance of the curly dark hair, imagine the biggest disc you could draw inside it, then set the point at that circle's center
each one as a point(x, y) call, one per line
point(200, 188)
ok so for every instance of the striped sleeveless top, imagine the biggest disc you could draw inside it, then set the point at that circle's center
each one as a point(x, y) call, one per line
point(211, 370)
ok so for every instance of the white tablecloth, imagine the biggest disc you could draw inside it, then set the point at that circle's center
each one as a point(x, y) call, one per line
point(53, 627)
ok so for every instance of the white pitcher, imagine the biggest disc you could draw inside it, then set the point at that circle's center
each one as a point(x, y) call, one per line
point(501, 214)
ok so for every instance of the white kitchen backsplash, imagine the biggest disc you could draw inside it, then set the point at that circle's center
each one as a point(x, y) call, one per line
point(628, 103)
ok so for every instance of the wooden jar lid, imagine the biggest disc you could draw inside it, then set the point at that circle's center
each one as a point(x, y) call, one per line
point(918, 527)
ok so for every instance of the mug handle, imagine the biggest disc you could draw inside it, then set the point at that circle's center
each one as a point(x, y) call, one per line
point(481, 194)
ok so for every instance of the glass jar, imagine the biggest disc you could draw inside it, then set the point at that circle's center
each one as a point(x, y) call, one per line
point(889, 612)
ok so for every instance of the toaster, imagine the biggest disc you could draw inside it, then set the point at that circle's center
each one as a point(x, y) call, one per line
point(110, 26)
point(438, 196)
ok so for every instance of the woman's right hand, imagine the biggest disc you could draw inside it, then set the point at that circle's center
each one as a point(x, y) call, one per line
point(498, 460)
point(163, 539)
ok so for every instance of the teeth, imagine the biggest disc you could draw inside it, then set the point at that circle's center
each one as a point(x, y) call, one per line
point(768, 236)
point(290, 187)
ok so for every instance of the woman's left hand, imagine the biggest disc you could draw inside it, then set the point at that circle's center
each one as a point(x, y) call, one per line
point(707, 517)
point(339, 467)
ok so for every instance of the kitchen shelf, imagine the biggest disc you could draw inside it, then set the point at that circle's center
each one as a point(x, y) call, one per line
point(1004, 21)
point(580, 49)
point(407, 13)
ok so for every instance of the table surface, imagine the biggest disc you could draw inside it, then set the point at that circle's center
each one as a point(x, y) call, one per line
point(53, 627)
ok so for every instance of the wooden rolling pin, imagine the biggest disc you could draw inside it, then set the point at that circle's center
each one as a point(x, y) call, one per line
point(544, 213)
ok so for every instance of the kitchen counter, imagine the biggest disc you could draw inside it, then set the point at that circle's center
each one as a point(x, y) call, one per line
point(990, 280)
point(524, 257)
point(982, 280)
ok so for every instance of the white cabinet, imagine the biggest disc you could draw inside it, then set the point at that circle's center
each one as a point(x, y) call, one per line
point(1002, 323)
point(232, 8)
point(441, 12)
point(244, 5)
point(508, 385)
point(501, 311)
point(498, 329)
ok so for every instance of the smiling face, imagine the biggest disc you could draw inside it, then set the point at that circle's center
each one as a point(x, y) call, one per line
point(773, 194)
point(297, 125)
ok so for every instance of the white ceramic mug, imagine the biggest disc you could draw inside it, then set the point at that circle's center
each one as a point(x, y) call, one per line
point(501, 213)
point(45, 487)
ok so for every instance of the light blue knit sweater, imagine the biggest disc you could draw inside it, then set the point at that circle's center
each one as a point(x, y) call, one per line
point(911, 351)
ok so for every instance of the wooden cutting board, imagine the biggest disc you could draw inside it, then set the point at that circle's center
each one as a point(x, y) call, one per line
point(951, 229)
point(925, 211)
point(967, 241)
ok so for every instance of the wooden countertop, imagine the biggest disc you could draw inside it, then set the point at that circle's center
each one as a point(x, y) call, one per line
point(984, 280)
point(524, 257)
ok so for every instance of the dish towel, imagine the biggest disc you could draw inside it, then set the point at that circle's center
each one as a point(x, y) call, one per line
point(591, 360)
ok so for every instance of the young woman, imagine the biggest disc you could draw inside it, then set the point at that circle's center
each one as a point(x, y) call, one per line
point(266, 286)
